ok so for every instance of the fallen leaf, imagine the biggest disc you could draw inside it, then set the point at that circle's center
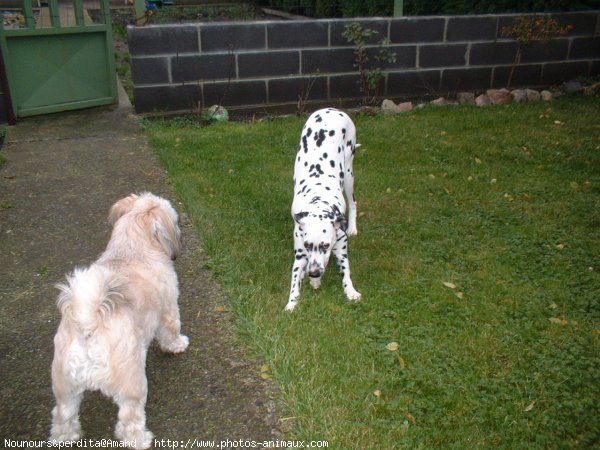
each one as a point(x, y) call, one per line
point(558, 321)
point(393, 346)
point(553, 306)
point(478, 161)
point(410, 417)
point(530, 406)
point(377, 393)
point(560, 246)
point(449, 285)
point(459, 295)
point(265, 368)
point(266, 376)
point(220, 309)
point(401, 361)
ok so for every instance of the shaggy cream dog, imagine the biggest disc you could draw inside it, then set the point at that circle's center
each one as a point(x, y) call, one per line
point(111, 312)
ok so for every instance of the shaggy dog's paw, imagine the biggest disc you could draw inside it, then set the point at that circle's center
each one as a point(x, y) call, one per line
point(69, 430)
point(178, 345)
point(134, 436)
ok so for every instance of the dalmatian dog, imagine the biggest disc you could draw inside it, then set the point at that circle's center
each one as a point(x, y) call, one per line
point(322, 175)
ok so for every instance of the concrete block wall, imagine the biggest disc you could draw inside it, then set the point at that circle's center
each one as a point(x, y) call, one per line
point(249, 65)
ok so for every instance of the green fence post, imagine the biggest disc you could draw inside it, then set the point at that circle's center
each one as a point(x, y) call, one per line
point(140, 11)
point(54, 13)
point(28, 12)
point(78, 8)
point(398, 8)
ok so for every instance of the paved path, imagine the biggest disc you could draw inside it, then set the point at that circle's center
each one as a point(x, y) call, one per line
point(63, 173)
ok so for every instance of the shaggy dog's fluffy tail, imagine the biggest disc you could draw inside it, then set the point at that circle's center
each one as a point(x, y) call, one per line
point(90, 296)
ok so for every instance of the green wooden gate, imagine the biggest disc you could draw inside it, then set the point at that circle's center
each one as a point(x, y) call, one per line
point(59, 57)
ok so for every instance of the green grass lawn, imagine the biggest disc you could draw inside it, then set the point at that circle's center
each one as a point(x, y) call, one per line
point(501, 204)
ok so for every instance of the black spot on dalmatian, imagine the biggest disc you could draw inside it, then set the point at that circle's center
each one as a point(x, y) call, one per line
point(320, 137)
point(318, 119)
point(305, 144)
point(315, 170)
point(341, 174)
point(332, 163)
point(308, 132)
point(332, 132)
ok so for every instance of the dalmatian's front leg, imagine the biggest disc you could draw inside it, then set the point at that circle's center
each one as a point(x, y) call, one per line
point(298, 270)
point(340, 250)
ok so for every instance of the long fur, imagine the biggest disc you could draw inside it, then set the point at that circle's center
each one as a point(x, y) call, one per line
point(111, 311)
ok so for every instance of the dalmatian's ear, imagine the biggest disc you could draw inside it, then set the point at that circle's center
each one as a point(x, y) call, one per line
point(298, 217)
point(340, 222)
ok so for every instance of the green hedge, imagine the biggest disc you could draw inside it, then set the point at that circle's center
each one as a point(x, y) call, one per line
point(367, 8)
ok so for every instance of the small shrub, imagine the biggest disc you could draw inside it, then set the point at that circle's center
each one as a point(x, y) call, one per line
point(370, 77)
point(531, 29)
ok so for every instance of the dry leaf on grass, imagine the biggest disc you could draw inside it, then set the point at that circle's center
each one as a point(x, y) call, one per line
point(264, 372)
point(393, 346)
point(530, 406)
point(449, 285)
point(401, 361)
point(558, 321)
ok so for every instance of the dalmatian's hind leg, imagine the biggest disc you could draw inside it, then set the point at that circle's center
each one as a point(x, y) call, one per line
point(349, 191)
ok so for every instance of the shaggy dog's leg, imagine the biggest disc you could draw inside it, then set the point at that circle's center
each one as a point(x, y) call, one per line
point(169, 334)
point(131, 426)
point(65, 415)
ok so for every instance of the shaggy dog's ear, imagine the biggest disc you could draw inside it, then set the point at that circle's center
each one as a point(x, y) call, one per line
point(120, 208)
point(166, 231)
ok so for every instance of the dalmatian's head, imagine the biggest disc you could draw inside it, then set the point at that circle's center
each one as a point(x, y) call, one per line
point(319, 235)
